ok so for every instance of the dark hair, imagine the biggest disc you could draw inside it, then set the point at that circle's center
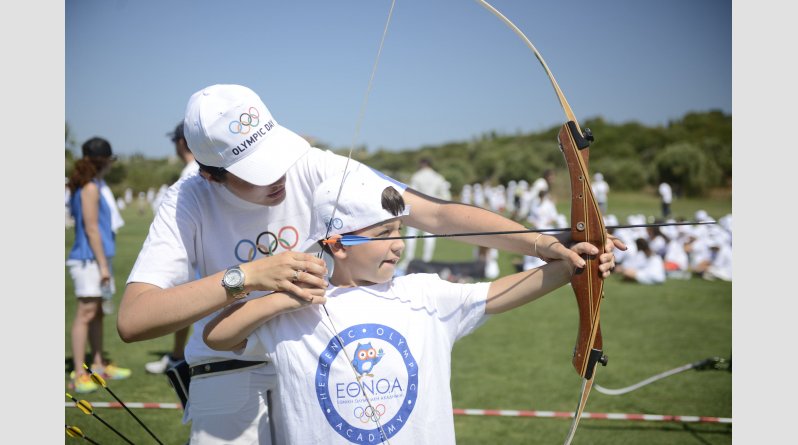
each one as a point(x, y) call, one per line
point(642, 244)
point(392, 201)
point(178, 133)
point(96, 155)
point(97, 147)
point(218, 174)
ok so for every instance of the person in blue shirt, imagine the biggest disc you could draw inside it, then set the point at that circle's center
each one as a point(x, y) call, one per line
point(89, 261)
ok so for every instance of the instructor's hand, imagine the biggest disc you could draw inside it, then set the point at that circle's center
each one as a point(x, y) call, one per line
point(299, 273)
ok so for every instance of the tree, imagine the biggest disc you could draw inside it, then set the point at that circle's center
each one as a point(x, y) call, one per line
point(685, 166)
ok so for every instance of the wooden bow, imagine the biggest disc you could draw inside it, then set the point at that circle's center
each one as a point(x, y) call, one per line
point(587, 225)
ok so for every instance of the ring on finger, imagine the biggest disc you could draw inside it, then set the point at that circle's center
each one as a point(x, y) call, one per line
point(296, 275)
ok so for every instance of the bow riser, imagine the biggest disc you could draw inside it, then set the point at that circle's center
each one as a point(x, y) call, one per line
point(587, 225)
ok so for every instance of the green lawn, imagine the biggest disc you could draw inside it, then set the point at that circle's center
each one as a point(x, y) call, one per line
point(519, 360)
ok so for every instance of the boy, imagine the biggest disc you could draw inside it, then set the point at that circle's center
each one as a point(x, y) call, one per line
point(373, 364)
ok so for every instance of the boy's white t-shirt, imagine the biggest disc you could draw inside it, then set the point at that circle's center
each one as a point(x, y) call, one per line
point(398, 338)
point(202, 226)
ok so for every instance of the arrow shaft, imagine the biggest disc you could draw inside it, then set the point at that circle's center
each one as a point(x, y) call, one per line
point(93, 414)
point(134, 416)
point(350, 240)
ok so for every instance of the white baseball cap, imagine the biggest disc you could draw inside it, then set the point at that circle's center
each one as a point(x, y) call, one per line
point(359, 205)
point(229, 126)
point(702, 216)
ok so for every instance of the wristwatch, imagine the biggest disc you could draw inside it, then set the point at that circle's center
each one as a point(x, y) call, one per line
point(233, 282)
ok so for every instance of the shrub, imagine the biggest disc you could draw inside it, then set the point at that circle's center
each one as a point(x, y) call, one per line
point(687, 168)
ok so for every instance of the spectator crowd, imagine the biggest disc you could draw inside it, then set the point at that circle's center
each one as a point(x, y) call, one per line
point(654, 254)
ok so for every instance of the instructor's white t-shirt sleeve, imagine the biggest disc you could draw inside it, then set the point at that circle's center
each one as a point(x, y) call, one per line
point(164, 260)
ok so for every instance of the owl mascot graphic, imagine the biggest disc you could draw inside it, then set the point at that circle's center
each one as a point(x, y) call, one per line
point(366, 357)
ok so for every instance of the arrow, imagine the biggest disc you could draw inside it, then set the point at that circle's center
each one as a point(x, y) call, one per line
point(87, 409)
point(73, 431)
point(354, 240)
point(100, 381)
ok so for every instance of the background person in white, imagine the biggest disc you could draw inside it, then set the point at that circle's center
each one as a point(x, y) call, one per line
point(601, 190)
point(646, 267)
point(540, 184)
point(191, 167)
point(431, 183)
point(666, 196)
point(250, 206)
point(397, 333)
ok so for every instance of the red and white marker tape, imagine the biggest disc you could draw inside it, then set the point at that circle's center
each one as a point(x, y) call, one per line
point(483, 412)
point(150, 405)
point(602, 416)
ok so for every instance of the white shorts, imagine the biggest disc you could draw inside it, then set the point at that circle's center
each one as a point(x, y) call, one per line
point(232, 408)
point(86, 277)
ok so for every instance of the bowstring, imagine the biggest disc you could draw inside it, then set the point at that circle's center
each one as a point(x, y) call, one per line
point(355, 136)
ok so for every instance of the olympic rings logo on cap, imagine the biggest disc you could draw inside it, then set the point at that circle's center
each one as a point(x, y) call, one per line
point(245, 122)
point(336, 223)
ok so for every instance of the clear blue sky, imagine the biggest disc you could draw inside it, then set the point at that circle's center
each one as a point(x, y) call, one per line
point(449, 69)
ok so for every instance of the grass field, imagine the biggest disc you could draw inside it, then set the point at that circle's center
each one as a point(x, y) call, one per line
point(520, 360)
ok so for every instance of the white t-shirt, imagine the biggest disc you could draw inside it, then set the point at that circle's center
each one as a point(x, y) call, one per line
point(430, 182)
point(665, 192)
point(649, 269)
point(676, 255)
point(202, 226)
point(600, 190)
point(116, 218)
point(721, 266)
point(398, 337)
point(543, 214)
point(190, 168)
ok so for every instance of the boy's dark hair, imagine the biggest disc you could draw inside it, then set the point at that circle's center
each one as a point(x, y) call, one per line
point(392, 202)
point(218, 174)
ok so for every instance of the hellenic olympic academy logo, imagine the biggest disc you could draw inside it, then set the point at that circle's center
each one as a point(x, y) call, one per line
point(246, 122)
point(371, 390)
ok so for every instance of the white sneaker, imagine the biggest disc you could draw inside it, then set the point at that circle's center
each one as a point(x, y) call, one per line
point(159, 366)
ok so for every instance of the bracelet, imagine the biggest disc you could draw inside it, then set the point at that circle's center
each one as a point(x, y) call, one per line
point(536, 244)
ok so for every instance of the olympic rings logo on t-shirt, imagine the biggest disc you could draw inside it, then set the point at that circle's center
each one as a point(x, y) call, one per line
point(267, 243)
point(367, 413)
point(245, 122)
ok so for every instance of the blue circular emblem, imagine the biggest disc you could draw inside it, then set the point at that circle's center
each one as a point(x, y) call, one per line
point(362, 405)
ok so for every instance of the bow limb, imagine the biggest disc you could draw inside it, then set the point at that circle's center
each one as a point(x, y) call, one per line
point(587, 225)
